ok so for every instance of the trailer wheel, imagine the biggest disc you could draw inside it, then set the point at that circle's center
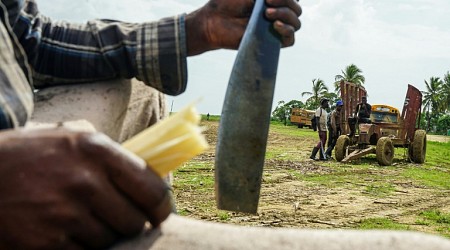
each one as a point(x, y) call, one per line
point(418, 149)
point(341, 147)
point(385, 151)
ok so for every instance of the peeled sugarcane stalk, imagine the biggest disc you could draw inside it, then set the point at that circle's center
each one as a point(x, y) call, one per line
point(170, 142)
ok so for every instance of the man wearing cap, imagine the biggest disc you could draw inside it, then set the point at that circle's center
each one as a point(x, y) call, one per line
point(334, 128)
point(321, 121)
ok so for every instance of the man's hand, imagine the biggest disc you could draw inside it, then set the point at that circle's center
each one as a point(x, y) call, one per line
point(221, 23)
point(71, 190)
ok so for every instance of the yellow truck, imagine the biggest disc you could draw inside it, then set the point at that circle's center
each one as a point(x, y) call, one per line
point(301, 117)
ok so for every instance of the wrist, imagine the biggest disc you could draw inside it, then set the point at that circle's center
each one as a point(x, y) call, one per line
point(196, 33)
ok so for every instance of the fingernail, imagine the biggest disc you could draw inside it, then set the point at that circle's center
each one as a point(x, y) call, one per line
point(270, 11)
point(279, 23)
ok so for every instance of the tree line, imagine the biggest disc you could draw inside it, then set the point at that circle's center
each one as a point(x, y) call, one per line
point(435, 103)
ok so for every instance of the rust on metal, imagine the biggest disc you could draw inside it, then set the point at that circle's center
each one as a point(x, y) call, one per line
point(351, 95)
point(411, 112)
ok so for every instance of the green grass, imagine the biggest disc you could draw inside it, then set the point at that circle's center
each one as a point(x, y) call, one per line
point(211, 117)
point(292, 130)
point(223, 216)
point(436, 216)
point(382, 223)
point(436, 219)
point(435, 172)
point(183, 212)
point(380, 189)
point(422, 222)
point(195, 175)
point(430, 177)
point(438, 154)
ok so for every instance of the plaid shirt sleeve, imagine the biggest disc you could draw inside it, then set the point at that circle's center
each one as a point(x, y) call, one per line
point(60, 52)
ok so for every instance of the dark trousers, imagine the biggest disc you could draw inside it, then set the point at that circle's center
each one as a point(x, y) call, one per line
point(321, 144)
point(330, 137)
point(332, 141)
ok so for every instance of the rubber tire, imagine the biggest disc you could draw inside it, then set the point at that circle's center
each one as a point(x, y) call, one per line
point(341, 147)
point(418, 149)
point(385, 151)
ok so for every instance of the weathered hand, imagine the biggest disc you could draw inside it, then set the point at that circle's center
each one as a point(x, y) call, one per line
point(71, 190)
point(285, 14)
point(221, 23)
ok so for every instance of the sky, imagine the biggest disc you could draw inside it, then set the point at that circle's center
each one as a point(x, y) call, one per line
point(394, 43)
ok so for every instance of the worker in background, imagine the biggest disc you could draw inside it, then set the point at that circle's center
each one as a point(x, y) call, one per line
point(334, 128)
point(321, 121)
point(362, 115)
point(363, 111)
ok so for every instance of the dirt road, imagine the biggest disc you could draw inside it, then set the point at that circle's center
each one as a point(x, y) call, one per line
point(298, 192)
point(438, 138)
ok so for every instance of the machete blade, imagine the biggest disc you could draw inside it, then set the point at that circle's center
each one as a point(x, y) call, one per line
point(245, 119)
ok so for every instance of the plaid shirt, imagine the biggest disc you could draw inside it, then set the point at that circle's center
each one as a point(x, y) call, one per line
point(36, 52)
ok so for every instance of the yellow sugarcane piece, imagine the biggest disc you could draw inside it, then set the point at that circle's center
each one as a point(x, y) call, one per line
point(171, 142)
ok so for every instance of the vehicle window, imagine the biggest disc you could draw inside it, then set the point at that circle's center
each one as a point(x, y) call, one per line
point(377, 116)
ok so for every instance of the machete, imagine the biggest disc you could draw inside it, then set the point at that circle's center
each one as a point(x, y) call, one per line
point(245, 119)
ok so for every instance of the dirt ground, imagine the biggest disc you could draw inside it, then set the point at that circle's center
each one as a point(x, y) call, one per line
point(438, 138)
point(288, 202)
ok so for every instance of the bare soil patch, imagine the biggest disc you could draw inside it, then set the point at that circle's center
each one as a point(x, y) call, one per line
point(438, 138)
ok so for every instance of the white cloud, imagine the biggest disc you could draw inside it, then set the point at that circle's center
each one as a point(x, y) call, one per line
point(354, 25)
point(130, 10)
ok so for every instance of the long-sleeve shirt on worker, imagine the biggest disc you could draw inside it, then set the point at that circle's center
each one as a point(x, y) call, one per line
point(37, 52)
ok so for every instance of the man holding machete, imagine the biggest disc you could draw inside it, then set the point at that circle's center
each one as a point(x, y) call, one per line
point(63, 189)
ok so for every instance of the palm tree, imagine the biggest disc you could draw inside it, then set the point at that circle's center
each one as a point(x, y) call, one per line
point(445, 92)
point(431, 98)
point(351, 74)
point(319, 90)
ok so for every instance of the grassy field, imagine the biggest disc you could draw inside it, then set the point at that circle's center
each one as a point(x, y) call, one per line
point(301, 193)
